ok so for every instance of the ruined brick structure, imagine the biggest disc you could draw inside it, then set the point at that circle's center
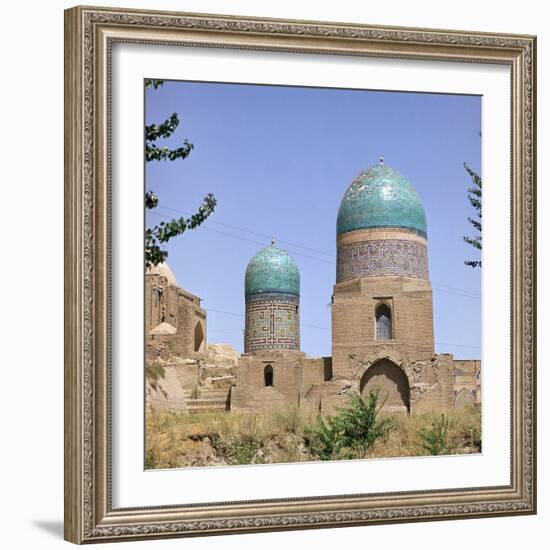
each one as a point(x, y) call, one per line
point(175, 323)
point(382, 317)
point(466, 383)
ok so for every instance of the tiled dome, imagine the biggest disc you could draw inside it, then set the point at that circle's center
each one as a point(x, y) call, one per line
point(381, 197)
point(272, 270)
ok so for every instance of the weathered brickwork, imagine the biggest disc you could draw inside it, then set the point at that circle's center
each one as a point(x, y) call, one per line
point(254, 392)
point(467, 382)
point(175, 324)
point(296, 380)
point(272, 321)
point(354, 324)
point(391, 382)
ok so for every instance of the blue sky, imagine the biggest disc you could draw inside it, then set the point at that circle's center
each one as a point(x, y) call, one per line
point(279, 159)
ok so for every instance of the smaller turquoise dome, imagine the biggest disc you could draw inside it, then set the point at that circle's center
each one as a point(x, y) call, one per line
point(381, 197)
point(272, 270)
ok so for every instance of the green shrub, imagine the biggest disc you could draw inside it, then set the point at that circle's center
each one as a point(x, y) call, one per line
point(471, 436)
point(351, 432)
point(435, 440)
point(324, 438)
point(237, 448)
point(242, 450)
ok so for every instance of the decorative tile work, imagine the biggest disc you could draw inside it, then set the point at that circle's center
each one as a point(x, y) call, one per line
point(379, 233)
point(383, 257)
point(381, 197)
point(272, 270)
point(272, 322)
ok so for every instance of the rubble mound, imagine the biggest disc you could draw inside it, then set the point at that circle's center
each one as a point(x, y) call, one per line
point(221, 355)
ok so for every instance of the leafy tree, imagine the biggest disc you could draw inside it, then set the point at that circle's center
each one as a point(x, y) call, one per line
point(352, 431)
point(474, 196)
point(157, 236)
point(324, 439)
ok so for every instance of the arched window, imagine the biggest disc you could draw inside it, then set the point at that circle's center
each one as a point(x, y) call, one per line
point(383, 322)
point(268, 376)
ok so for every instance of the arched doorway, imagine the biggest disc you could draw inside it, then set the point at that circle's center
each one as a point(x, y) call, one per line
point(199, 337)
point(464, 399)
point(391, 381)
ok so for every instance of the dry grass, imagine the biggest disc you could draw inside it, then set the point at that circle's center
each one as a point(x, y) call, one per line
point(179, 439)
point(464, 434)
point(209, 439)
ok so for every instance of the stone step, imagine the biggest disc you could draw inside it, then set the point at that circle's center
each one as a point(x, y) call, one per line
point(205, 408)
point(206, 401)
point(214, 394)
point(206, 389)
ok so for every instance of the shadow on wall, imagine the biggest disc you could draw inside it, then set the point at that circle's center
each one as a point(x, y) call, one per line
point(52, 527)
point(391, 380)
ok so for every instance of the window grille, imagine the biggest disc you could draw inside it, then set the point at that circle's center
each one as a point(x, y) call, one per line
point(383, 323)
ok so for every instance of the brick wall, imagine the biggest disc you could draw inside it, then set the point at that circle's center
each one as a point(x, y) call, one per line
point(251, 392)
point(466, 382)
point(432, 384)
point(354, 323)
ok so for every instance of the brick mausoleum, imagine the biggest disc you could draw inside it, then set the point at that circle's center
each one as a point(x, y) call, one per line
point(382, 322)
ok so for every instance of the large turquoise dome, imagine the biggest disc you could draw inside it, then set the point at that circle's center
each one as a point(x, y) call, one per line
point(272, 270)
point(381, 197)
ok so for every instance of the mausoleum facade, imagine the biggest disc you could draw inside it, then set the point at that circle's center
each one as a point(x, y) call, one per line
point(382, 317)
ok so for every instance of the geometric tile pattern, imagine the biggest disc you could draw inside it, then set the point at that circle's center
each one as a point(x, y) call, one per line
point(272, 322)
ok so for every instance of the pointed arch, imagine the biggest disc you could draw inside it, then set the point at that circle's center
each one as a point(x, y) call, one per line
point(392, 383)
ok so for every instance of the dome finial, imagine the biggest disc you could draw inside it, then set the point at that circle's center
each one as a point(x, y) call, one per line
point(272, 241)
point(381, 160)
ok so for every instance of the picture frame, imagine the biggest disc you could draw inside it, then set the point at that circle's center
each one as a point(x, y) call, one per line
point(90, 35)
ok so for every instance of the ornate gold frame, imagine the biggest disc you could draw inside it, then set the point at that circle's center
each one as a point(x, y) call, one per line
point(89, 35)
